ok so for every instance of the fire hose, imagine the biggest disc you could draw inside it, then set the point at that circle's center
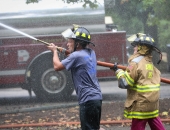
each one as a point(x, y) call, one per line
point(60, 49)
point(100, 63)
point(68, 123)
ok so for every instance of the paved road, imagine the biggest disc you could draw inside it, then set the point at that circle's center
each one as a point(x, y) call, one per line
point(108, 88)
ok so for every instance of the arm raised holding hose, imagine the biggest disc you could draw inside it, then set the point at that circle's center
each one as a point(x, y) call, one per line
point(60, 49)
point(56, 61)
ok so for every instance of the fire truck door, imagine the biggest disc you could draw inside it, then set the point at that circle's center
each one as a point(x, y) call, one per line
point(8, 58)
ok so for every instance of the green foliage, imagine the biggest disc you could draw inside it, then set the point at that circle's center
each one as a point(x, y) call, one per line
point(161, 19)
point(160, 11)
point(131, 26)
point(148, 3)
point(141, 15)
point(32, 1)
point(125, 14)
point(164, 33)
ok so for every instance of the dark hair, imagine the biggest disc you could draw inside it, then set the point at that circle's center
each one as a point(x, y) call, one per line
point(82, 43)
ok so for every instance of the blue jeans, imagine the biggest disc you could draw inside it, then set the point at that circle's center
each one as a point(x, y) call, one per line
point(90, 114)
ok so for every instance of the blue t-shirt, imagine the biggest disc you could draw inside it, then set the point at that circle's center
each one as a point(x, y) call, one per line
point(83, 69)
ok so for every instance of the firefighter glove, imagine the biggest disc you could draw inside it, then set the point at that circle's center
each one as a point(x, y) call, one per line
point(114, 68)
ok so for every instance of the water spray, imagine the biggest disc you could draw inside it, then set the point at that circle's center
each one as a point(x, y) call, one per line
point(60, 49)
point(63, 50)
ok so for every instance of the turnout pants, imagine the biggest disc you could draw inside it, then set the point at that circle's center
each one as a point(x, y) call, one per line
point(140, 124)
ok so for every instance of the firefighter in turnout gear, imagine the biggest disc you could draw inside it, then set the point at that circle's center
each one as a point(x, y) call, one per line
point(142, 81)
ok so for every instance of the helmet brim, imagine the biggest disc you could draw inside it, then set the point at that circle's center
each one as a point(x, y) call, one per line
point(132, 38)
point(86, 41)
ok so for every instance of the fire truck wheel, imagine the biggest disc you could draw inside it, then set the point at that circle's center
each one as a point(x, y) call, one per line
point(49, 84)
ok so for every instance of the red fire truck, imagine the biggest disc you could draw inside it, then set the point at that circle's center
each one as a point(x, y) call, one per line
point(27, 63)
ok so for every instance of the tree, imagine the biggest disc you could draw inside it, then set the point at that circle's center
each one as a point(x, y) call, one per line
point(152, 14)
point(124, 15)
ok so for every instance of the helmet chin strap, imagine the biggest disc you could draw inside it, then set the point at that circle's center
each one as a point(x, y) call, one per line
point(160, 54)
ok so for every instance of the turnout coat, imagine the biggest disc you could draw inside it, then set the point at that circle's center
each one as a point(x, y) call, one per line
point(142, 81)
